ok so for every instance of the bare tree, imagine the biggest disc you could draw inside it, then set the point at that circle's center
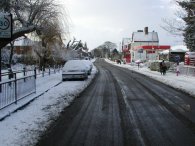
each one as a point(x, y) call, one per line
point(51, 42)
point(184, 23)
point(42, 54)
point(29, 15)
point(74, 49)
point(106, 48)
point(175, 26)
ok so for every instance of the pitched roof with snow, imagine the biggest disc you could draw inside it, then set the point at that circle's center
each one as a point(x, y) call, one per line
point(143, 37)
point(179, 48)
point(23, 42)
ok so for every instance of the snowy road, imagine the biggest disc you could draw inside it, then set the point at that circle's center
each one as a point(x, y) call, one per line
point(122, 107)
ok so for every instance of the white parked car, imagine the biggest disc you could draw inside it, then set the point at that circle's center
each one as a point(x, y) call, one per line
point(74, 69)
point(89, 65)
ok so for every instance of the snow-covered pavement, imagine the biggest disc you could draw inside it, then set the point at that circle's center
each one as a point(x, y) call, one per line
point(43, 84)
point(182, 82)
point(23, 127)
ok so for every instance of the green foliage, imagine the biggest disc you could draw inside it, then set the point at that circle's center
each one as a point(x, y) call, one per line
point(115, 51)
point(189, 33)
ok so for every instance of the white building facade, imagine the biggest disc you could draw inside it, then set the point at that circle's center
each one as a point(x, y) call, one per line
point(144, 38)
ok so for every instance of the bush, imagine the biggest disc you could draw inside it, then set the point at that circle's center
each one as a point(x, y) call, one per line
point(154, 66)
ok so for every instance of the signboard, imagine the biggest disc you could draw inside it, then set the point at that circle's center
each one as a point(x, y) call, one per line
point(140, 50)
point(5, 26)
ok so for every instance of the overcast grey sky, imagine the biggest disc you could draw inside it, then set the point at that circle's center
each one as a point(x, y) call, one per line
point(97, 21)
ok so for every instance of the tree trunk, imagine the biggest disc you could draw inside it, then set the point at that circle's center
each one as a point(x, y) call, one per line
point(42, 64)
point(11, 53)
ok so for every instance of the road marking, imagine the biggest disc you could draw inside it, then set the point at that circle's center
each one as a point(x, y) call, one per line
point(133, 118)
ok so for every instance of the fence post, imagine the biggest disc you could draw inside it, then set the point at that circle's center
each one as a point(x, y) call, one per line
point(15, 81)
point(24, 72)
point(42, 72)
point(35, 72)
point(10, 73)
point(54, 69)
point(49, 69)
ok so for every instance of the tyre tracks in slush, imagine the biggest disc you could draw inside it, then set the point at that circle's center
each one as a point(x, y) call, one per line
point(161, 113)
point(123, 108)
point(93, 119)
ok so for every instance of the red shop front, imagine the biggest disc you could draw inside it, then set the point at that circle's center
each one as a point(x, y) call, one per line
point(151, 49)
point(127, 54)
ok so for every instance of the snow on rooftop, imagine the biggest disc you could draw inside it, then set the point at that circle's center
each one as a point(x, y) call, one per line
point(178, 48)
point(23, 42)
point(142, 37)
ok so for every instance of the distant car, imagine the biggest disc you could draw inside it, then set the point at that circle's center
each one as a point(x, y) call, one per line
point(89, 65)
point(74, 69)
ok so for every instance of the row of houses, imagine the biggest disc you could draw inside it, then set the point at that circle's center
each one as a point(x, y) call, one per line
point(24, 46)
point(143, 45)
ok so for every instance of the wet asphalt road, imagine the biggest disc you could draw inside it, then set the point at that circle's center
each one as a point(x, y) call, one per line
point(123, 108)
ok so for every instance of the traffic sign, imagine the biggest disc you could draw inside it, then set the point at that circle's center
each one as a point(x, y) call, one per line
point(5, 25)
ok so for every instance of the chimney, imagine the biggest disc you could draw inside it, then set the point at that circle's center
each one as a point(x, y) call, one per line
point(146, 30)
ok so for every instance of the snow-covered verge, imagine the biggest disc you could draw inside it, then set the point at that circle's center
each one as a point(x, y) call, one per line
point(181, 82)
point(24, 127)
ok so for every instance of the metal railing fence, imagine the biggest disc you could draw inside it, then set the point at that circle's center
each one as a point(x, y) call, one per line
point(15, 89)
point(16, 85)
point(184, 70)
point(187, 70)
point(35, 71)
